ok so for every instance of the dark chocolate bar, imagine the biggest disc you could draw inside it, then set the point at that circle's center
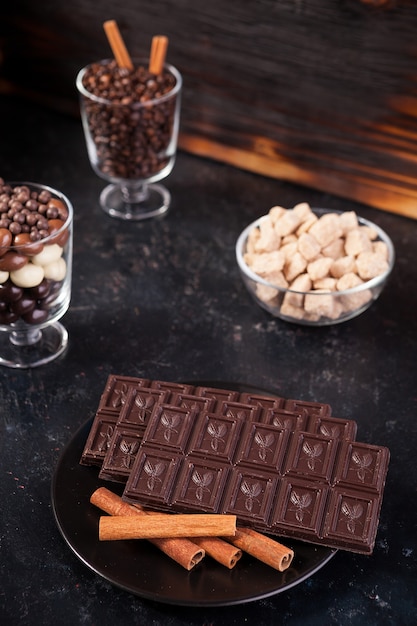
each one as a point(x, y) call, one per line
point(282, 466)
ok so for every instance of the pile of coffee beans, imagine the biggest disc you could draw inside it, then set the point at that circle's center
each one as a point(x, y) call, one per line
point(128, 123)
point(32, 240)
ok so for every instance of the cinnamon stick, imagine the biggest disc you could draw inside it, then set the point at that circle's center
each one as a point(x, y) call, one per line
point(221, 551)
point(163, 525)
point(159, 48)
point(262, 548)
point(183, 551)
point(117, 45)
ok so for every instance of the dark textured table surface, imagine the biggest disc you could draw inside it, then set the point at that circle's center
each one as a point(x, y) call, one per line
point(164, 300)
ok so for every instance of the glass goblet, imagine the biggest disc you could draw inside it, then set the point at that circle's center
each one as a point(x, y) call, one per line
point(131, 141)
point(35, 273)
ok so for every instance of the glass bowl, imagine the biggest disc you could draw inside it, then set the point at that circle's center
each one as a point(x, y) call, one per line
point(35, 273)
point(318, 302)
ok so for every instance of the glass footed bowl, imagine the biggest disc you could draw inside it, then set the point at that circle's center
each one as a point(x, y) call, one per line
point(35, 273)
point(313, 307)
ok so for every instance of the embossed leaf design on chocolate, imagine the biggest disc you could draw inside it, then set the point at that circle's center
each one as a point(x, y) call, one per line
point(313, 452)
point(264, 442)
point(189, 405)
point(170, 420)
point(153, 471)
point(105, 439)
point(129, 451)
point(301, 502)
point(281, 423)
point(363, 462)
point(202, 481)
point(216, 433)
point(353, 513)
point(251, 492)
point(144, 403)
point(334, 431)
point(236, 413)
point(120, 395)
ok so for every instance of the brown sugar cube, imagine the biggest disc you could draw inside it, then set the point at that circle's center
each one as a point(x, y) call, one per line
point(348, 281)
point(291, 238)
point(369, 232)
point(287, 223)
point(328, 283)
point(276, 277)
point(266, 262)
point(348, 221)
point(288, 250)
point(303, 210)
point(294, 266)
point(326, 229)
point(354, 300)
point(297, 312)
point(302, 283)
point(356, 242)
point(268, 239)
point(342, 266)
point(306, 224)
point(275, 213)
point(370, 264)
point(267, 294)
point(308, 246)
point(381, 248)
point(319, 268)
point(322, 304)
point(253, 237)
point(335, 249)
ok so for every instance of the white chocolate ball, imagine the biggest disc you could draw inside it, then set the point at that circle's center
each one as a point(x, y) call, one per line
point(3, 276)
point(56, 270)
point(48, 255)
point(29, 275)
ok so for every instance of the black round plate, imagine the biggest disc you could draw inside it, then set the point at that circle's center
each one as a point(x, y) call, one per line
point(140, 568)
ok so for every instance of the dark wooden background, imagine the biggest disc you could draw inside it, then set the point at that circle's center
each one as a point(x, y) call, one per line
point(319, 92)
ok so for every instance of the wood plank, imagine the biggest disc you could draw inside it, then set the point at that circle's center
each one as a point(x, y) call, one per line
point(316, 92)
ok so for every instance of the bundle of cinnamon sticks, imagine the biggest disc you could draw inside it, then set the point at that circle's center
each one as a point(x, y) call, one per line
point(187, 538)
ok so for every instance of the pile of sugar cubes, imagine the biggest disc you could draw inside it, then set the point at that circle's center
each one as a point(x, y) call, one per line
point(323, 254)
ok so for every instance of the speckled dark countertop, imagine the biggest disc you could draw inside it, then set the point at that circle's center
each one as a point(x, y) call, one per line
point(164, 300)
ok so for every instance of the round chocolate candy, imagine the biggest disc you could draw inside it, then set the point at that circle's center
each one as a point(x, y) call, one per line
point(26, 245)
point(42, 290)
point(23, 305)
point(10, 292)
point(12, 261)
point(5, 240)
point(8, 317)
point(54, 226)
point(36, 316)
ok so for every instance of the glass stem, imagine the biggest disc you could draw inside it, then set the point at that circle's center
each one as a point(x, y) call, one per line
point(134, 192)
point(27, 337)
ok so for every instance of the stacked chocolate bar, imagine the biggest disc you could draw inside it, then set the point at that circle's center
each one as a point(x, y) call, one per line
point(284, 467)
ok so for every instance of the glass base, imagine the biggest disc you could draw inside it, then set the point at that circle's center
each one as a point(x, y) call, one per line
point(132, 202)
point(26, 348)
